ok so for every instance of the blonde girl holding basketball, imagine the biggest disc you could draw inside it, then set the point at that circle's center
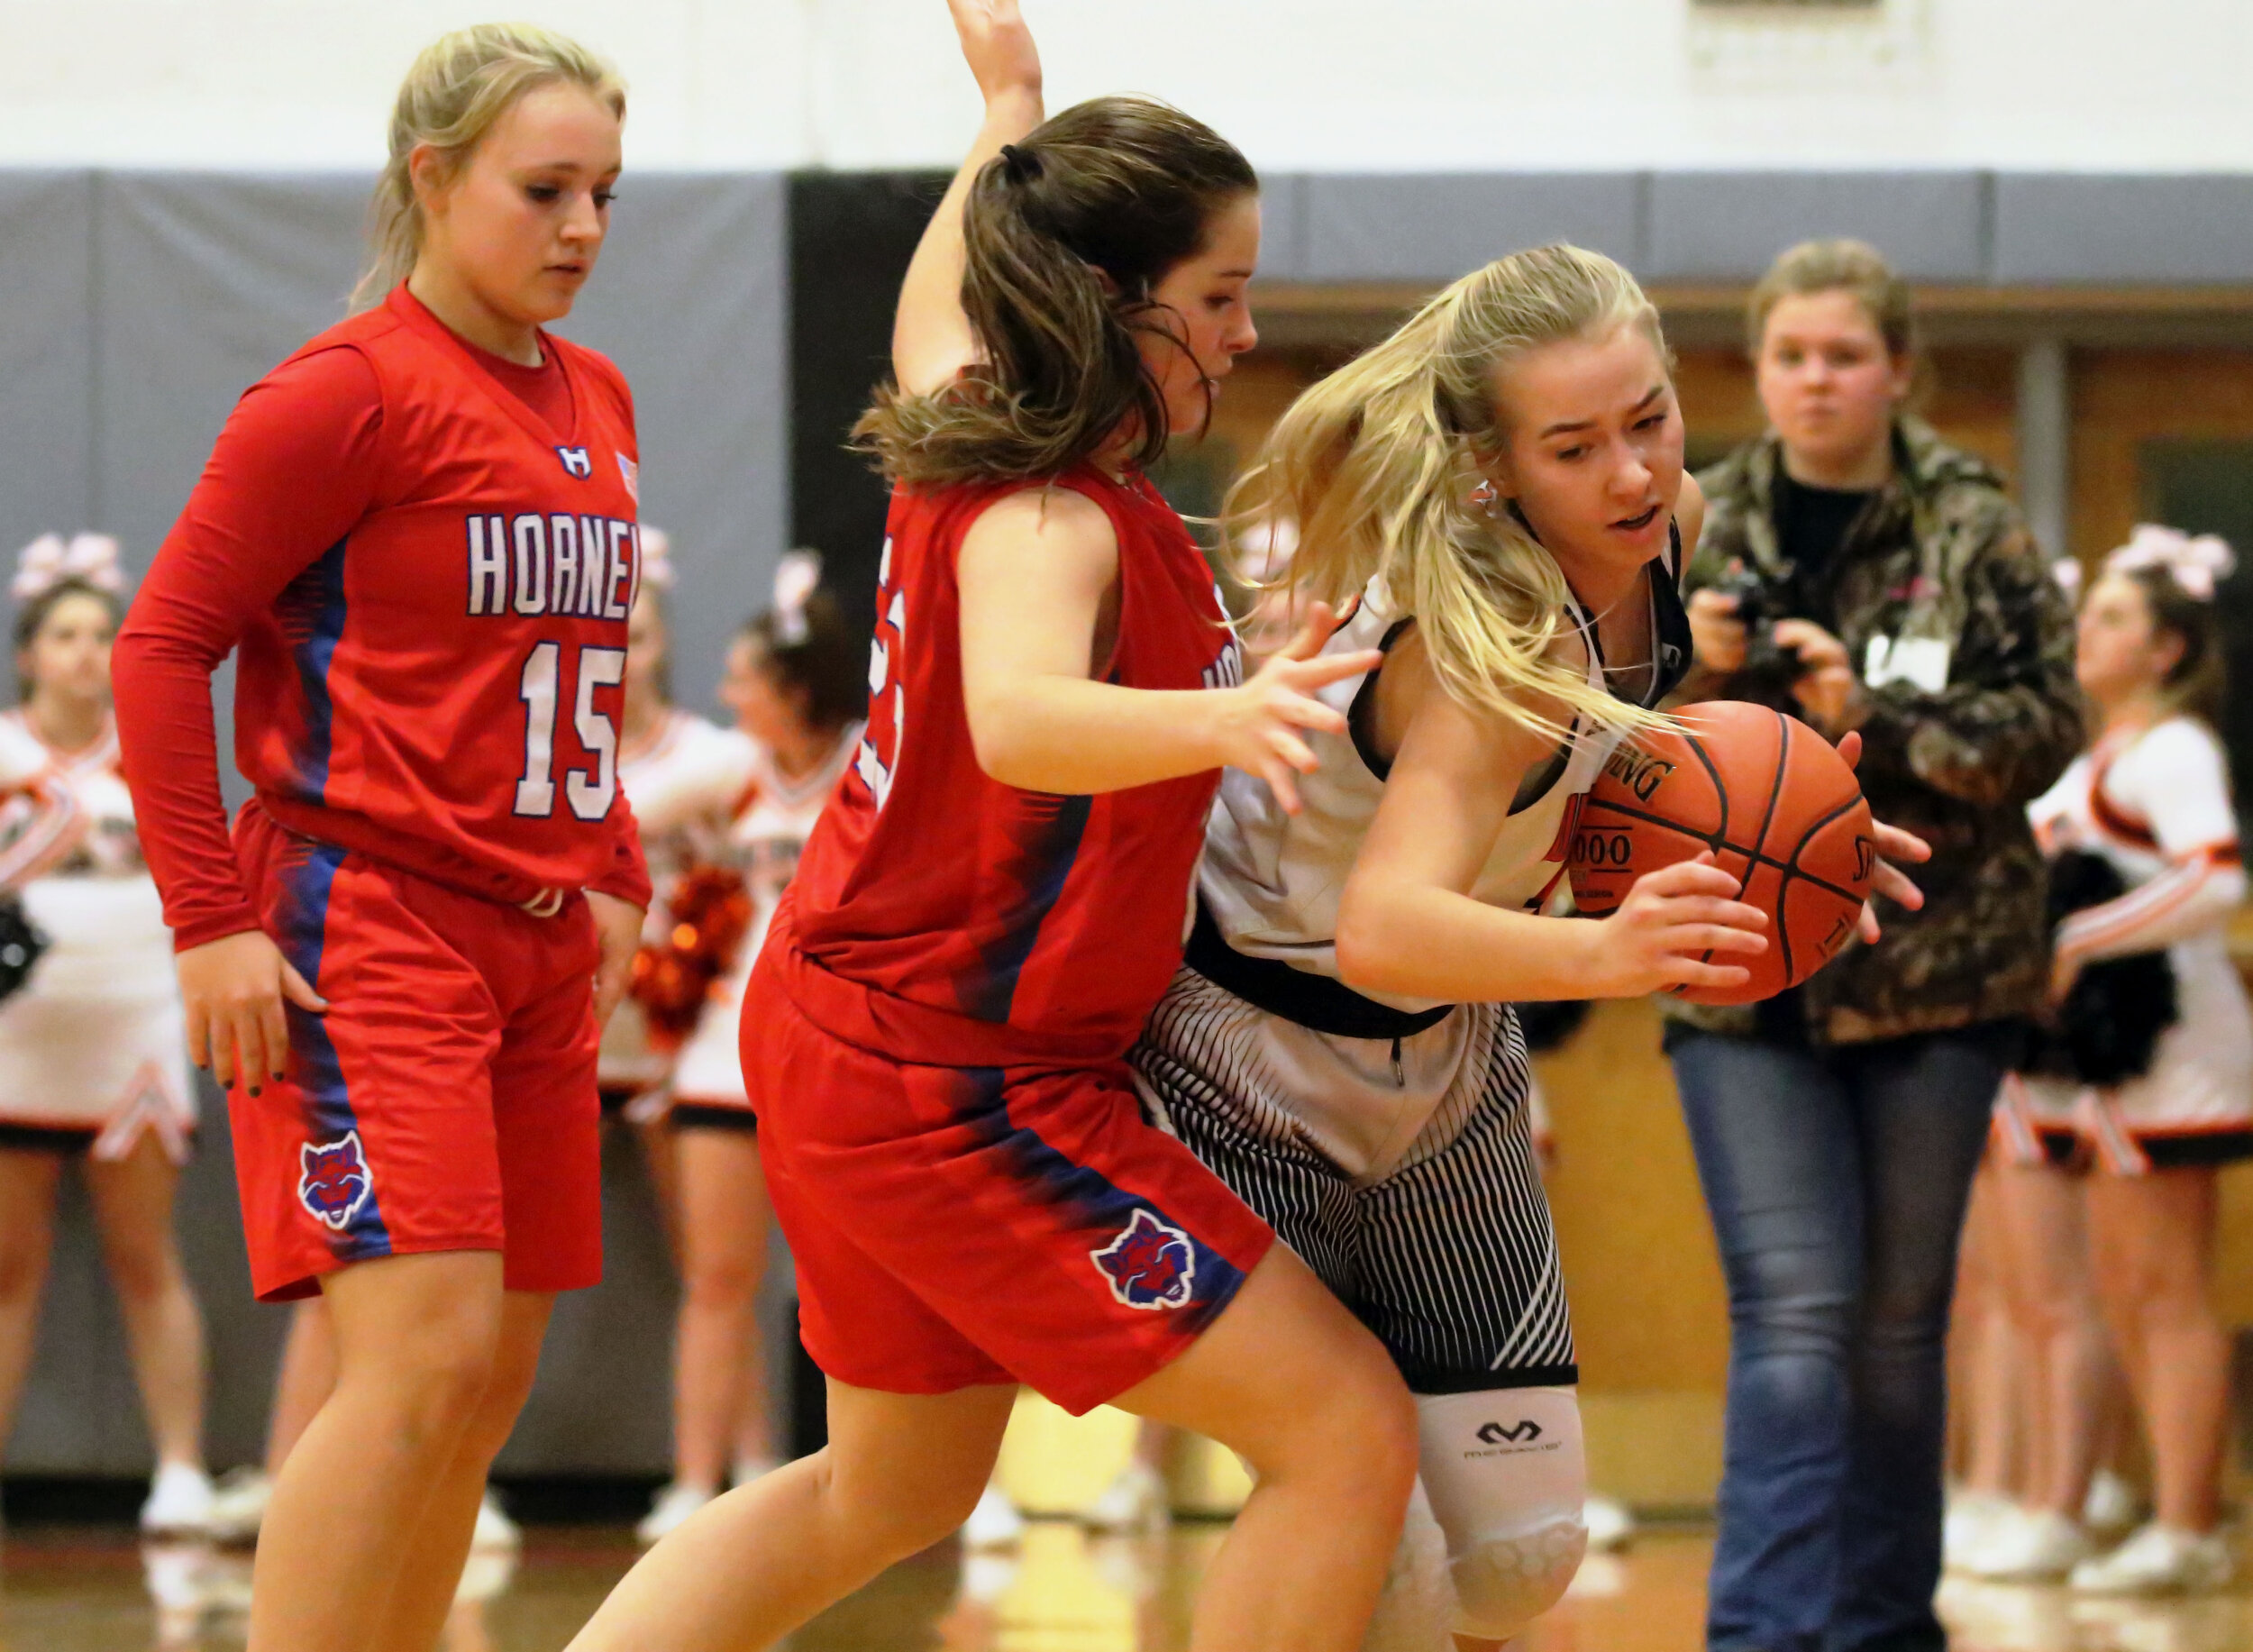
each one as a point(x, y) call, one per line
point(1500, 486)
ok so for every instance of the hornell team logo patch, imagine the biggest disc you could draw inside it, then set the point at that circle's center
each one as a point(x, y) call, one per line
point(1150, 1265)
point(336, 1181)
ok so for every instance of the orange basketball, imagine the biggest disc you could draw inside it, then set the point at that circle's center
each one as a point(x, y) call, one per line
point(1778, 807)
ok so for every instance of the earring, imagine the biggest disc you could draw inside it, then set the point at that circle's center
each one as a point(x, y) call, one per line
point(1483, 495)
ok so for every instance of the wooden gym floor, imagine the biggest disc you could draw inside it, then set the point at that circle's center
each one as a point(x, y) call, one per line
point(65, 1590)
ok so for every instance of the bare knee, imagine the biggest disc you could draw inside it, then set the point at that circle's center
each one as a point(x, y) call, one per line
point(1362, 1431)
point(23, 1267)
point(721, 1284)
point(889, 1521)
point(144, 1269)
point(435, 1382)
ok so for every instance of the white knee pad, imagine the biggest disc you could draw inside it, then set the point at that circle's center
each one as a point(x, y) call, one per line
point(1506, 1476)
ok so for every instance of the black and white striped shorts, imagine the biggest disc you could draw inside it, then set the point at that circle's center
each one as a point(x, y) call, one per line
point(1447, 1254)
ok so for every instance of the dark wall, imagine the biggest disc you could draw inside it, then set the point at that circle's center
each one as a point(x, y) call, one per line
point(851, 238)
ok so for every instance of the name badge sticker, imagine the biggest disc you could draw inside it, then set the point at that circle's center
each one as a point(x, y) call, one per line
point(1921, 662)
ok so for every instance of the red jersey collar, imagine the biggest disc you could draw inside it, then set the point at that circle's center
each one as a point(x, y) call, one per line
point(417, 316)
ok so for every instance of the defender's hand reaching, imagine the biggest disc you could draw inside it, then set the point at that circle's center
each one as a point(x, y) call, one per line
point(1258, 724)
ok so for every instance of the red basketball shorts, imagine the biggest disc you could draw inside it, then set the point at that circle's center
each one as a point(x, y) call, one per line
point(445, 1101)
point(958, 1226)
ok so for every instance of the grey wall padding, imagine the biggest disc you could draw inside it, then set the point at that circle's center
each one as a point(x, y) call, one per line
point(46, 354)
point(1970, 227)
point(1379, 228)
point(1715, 225)
point(2079, 228)
point(134, 309)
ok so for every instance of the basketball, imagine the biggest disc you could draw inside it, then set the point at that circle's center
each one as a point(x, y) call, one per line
point(1773, 800)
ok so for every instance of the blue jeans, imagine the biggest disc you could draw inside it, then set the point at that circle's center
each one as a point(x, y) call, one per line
point(1838, 1179)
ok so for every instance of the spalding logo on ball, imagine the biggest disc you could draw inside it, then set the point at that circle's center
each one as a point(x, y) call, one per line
point(1776, 804)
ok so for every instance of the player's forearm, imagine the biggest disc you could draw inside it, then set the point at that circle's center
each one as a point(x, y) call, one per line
point(170, 751)
point(1073, 737)
point(1409, 939)
point(931, 337)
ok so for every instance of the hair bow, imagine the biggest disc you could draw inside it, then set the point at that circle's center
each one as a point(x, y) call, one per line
point(657, 559)
point(796, 577)
point(2068, 574)
point(48, 561)
point(2196, 564)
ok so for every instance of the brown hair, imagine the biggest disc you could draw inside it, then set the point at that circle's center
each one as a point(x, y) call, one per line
point(33, 615)
point(460, 85)
point(2199, 681)
point(1064, 238)
point(827, 667)
point(1853, 267)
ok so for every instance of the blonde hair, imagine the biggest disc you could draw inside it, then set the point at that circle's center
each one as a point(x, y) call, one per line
point(1377, 464)
point(1852, 267)
point(460, 85)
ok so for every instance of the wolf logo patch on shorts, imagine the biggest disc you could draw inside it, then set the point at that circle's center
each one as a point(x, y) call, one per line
point(1150, 1265)
point(335, 1180)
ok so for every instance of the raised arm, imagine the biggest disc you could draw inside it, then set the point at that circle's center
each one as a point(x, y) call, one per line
point(931, 340)
point(1036, 572)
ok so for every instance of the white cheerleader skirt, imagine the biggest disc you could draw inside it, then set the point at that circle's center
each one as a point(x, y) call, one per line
point(2194, 1106)
point(707, 1082)
point(94, 1046)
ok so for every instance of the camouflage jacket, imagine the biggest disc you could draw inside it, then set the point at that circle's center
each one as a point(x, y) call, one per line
point(1940, 555)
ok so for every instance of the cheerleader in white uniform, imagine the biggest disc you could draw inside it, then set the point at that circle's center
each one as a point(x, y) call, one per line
point(798, 684)
point(2150, 798)
point(93, 1047)
point(1501, 484)
point(685, 776)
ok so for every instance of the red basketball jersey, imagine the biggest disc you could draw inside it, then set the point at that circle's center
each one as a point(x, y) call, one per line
point(940, 915)
point(441, 687)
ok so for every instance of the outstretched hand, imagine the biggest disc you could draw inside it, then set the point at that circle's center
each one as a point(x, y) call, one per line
point(1260, 722)
point(1893, 846)
point(997, 46)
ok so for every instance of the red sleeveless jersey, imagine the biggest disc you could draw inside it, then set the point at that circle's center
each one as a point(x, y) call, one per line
point(440, 688)
point(940, 915)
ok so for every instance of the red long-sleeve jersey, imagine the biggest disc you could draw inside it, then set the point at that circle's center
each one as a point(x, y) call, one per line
point(426, 555)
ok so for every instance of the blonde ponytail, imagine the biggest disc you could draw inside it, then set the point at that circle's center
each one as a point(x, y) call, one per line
point(463, 83)
point(1378, 465)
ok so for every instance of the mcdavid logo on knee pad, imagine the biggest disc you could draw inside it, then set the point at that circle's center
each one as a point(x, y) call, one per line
point(1517, 1433)
point(1150, 1265)
point(336, 1179)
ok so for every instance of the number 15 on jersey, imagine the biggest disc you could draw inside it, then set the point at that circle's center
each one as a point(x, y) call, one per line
point(588, 792)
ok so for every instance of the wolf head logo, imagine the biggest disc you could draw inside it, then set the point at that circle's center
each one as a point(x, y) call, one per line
point(335, 1181)
point(1150, 1265)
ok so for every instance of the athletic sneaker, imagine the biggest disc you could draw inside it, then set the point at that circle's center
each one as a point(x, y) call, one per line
point(1134, 1501)
point(493, 1530)
point(2027, 1546)
point(675, 1503)
point(179, 1502)
point(1609, 1524)
point(1970, 1514)
point(2111, 1505)
point(994, 1523)
point(238, 1505)
point(2159, 1559)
